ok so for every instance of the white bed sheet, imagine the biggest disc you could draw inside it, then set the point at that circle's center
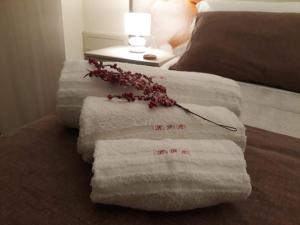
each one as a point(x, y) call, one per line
point(268, 108)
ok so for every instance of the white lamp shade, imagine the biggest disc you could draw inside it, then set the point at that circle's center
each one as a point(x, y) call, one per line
point(138, 24)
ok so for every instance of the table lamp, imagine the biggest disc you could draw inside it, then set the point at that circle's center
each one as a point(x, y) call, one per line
point(137, 26)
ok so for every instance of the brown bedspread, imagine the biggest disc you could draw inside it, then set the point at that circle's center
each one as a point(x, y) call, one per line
point(44, 181)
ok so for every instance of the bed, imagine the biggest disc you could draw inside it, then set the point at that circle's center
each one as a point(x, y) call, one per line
point(43, 180)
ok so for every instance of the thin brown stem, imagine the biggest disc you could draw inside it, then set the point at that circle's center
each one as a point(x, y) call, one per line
point(208, 120)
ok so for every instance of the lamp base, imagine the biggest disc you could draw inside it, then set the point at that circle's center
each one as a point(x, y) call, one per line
point(137, 49)
point(137, 44)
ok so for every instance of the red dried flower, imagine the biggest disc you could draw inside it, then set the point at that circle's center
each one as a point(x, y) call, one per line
point(154, 93)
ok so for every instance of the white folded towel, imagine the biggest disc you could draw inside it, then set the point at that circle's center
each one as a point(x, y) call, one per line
point(168, 175)
point(119, 119)
point(187, 87)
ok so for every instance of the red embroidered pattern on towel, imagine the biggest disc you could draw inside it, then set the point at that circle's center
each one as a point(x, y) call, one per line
point(171, 151)
point(160, 127)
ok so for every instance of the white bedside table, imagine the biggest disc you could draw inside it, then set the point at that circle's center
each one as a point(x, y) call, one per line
point(122, 54)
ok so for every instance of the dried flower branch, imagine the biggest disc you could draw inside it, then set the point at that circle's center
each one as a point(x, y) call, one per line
point(153, 93)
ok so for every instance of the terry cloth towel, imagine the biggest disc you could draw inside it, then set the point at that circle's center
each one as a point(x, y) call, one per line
point(168, 175)
point(187, 87)
point(118, 119)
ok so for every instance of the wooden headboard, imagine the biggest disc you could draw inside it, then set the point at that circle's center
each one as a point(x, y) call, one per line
point(171, 19)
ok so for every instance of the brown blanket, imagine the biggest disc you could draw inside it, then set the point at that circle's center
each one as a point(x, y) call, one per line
point(44, 181)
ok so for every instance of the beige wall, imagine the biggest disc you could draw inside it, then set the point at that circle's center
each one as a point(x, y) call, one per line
point(103, 23)
point(92, 24)
point(72, 15)
point(31, 57)
point(104, 16)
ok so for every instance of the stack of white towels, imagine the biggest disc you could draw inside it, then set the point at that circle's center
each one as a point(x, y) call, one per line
point(188, 87)
point(161, 159)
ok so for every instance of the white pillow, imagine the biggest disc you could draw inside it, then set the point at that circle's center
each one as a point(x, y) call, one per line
point(248, 6)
